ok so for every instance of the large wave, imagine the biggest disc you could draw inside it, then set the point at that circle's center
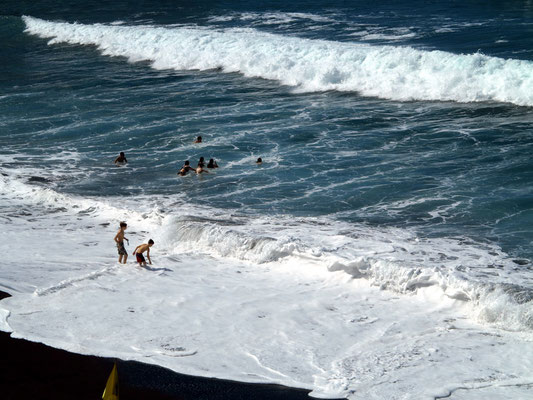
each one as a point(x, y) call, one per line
point(396, 73)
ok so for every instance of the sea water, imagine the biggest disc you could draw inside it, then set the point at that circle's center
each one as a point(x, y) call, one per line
point(383, 248)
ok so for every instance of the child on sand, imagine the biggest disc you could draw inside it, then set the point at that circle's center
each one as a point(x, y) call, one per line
point(119, 240)
point(139, 250)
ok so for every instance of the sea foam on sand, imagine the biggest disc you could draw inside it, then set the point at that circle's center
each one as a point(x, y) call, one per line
point(287, 320)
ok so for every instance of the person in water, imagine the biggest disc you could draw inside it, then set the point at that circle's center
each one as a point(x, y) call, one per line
point(200, 169)
point(186, 168)
point(121, 159)
point(198, 140)
point(259, 161)
point(212, 164)
point(119, 240)
point(140, 249)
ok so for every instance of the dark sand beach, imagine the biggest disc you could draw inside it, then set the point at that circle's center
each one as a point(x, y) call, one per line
point(35, 371)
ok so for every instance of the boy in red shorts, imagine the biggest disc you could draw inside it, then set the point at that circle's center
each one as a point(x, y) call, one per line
point(140, 249)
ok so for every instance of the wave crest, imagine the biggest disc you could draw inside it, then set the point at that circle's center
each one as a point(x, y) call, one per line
point(395, 73)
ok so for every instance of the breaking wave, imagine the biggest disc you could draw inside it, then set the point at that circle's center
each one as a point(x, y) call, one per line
point(390, 258)
point(395, 73)
point(394, 259)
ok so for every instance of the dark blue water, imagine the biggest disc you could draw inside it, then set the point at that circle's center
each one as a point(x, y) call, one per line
point(445, 162)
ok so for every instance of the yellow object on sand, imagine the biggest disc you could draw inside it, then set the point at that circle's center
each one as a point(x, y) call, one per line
point(111, 388)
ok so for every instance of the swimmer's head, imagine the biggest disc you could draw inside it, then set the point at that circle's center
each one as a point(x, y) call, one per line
point(150, 242)
point(187, 162)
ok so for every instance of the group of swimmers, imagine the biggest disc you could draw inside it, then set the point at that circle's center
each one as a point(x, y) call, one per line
point(138, 252)
point(199, 168)
point(145, 247)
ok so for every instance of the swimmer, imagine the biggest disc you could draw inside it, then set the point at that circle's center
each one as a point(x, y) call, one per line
point(121, 159)
point(186, 168)
point(198, 140)
point(201, 162)
point(200, 169)
point(259, 161)
point(139, 250)
point(212, 164)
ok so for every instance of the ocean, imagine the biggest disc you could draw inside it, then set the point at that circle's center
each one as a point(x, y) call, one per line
point(383, 248)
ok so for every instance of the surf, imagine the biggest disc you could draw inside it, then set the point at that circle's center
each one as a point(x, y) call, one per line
point(307, 65)
point(394, 259)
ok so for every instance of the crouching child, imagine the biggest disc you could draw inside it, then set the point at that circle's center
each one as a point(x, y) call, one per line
point(139, 250)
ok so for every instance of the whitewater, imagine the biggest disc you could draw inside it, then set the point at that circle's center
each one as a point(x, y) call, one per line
point(382, 250)
point(396, 73)
point(301, 304)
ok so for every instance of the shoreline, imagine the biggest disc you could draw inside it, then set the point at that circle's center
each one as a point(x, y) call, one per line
point(34, 370)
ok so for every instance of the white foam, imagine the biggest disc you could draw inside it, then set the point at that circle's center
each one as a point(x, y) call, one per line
point(389, 258)
point(4, 326)
point(271, 17)
point(397, 35)
point(397, 73)
point(252, 298)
